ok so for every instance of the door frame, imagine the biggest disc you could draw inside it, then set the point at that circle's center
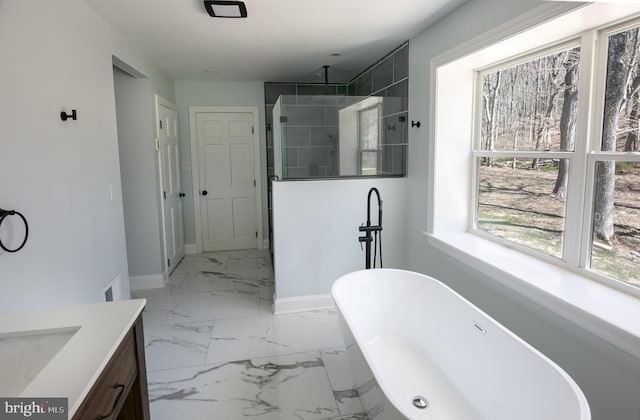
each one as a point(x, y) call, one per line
point(195, 170)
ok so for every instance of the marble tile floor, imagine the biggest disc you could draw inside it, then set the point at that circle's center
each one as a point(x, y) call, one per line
point(214, 349)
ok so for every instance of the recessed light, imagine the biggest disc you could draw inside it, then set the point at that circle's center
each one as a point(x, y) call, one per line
point(225, 8)
point(335, 55)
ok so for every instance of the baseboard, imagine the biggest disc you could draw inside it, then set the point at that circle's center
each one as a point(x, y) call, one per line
point(303, 303)
point(191, 249)
point(152, 281)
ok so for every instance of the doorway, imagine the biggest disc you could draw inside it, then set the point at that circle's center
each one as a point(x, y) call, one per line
point(226, 177)
point(138, 174)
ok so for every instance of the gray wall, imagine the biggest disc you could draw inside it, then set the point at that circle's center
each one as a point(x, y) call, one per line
point(310, 136)
point(389, 78)
point(273, 90)
point(609, 377)
point(216, 94)
point(58, 173)
point(139, 174)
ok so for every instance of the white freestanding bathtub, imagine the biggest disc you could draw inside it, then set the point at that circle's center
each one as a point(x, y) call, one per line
point(409, 337)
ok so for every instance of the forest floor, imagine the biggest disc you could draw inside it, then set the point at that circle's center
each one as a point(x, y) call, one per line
point(518, 205)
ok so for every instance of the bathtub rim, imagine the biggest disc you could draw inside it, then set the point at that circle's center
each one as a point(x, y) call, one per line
point(585, 409)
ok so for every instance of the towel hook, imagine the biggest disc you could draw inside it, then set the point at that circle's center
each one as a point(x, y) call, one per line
point(64, 116)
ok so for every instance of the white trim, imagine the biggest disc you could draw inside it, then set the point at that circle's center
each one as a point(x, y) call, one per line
point(431, 144)
point(604, 307)
point(515, 26)
point(160, 101)
point(575, 199)
point(303, 303)
point(191, 249)
point(523, 154)
point(195, 170)
point(604, 311)
point(152, 281)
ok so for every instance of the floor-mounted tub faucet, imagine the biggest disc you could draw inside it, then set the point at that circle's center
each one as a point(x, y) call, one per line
point(376, 238)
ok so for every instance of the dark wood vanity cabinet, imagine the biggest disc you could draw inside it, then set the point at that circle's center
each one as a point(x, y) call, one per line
point(120, 393)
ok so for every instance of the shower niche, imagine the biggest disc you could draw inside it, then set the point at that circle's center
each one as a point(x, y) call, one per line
point(327, 136)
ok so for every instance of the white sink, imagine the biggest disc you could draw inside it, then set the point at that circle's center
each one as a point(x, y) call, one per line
point(24, 354)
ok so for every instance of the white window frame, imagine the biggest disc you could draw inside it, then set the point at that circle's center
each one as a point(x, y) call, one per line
point(605, 307)
point(594, 152)
point(575, 196)
point(577, 241)
point(378, 150)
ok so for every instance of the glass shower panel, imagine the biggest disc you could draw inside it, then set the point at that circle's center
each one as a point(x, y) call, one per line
point(326, 136)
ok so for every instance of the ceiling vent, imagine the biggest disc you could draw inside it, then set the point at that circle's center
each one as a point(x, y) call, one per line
point(225, 8)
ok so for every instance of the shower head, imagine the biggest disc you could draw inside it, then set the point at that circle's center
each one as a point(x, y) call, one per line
point(323, 71)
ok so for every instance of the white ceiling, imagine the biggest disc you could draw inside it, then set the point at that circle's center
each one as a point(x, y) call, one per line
point(281, 40)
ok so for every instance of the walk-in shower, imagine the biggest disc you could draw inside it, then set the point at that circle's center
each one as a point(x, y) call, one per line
point(327, 136)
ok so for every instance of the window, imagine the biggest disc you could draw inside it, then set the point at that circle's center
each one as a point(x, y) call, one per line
point(524, 150)
point(369, 140)
point(614, 164)
point(548, 179)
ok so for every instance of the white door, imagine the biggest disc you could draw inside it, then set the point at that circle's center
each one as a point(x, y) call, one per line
point(227, 180)
point(169, 161)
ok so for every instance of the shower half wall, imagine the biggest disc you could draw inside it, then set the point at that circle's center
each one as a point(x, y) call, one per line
point(316, 235)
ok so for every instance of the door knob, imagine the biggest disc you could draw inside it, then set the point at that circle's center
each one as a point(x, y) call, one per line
point(182, 194)
point(204, 192)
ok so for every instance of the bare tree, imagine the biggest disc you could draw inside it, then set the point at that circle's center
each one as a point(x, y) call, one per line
point(618, 71)
point(632, 143)
point(522, 104)
point(567, 123)
point(490, 103)
point(552, 87)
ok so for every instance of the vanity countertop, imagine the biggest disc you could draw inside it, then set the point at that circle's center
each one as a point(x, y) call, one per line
point(86, 335)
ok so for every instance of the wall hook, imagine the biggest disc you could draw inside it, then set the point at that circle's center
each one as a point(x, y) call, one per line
point(64, 116)
point(415, 124)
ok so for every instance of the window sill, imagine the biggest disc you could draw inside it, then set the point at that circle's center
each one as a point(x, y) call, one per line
point(599, 309)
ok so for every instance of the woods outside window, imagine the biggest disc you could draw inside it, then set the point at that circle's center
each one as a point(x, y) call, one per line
point(551, 178)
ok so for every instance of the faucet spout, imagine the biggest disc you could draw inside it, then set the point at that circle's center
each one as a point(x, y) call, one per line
point(371, 191)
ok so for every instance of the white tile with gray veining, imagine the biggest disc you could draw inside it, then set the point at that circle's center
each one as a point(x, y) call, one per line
point(280, 387)
point(336, 362)
point(272, 335)
point(202, 306)
point(214, 348)
point(212, 281)
point(177, 345)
